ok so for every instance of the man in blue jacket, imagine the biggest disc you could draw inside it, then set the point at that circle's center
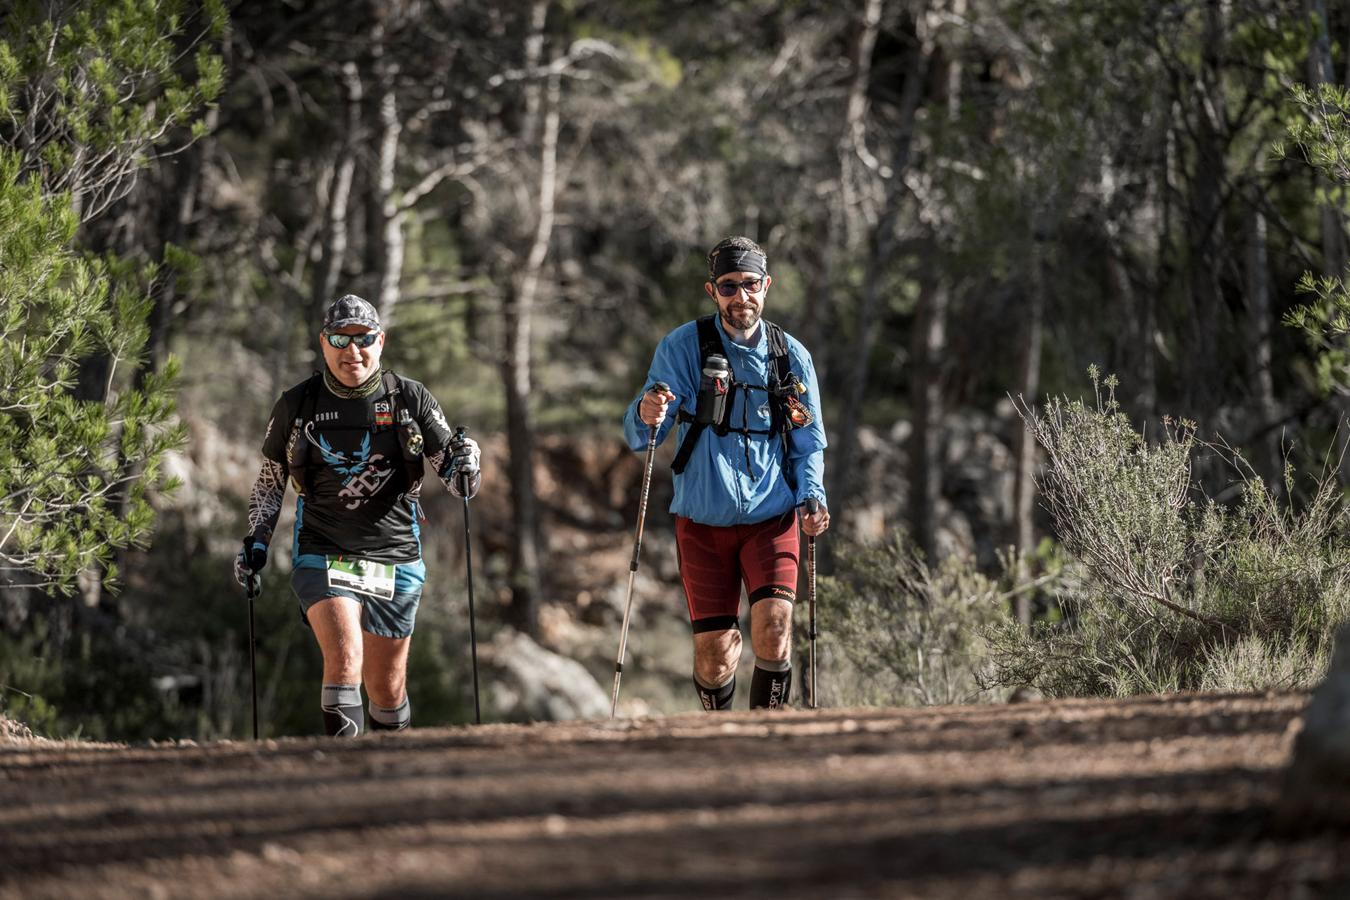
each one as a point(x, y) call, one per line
point(751, 452)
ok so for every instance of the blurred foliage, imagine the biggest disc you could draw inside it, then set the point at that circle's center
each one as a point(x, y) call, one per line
point(1179, 592)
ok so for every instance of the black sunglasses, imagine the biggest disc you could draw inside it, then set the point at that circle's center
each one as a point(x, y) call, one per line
point(729, 288)
point(340, 341)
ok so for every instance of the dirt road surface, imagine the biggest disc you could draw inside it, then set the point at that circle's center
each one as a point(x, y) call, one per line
point(1151, 797)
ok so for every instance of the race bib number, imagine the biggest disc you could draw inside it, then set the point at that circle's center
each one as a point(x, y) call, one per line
point(362, 576)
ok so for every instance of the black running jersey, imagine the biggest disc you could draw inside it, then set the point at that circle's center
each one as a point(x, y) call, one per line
point(359, 501)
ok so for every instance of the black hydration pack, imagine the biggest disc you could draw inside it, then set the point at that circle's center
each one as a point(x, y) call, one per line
point(410, 441)
point(782, 384)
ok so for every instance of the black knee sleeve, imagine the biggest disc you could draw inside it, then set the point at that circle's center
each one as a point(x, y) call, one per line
point(715, 697)
point(395, 719)
point(771, 684)
point(342, 714)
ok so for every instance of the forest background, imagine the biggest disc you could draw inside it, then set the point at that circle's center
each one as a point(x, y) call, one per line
point(976, 212)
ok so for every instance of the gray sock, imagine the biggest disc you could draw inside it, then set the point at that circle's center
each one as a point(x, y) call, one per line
point(397, 718)
point(342, 714)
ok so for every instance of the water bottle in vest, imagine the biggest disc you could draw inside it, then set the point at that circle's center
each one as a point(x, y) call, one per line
point(713, 390)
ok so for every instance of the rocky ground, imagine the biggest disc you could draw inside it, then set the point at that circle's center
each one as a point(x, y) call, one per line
point(1150, 797)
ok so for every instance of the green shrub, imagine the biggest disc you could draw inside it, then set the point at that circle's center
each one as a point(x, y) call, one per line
point(1178, 592)
point(909, 633)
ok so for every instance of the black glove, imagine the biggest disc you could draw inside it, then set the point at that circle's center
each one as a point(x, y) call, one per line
point(251, 559)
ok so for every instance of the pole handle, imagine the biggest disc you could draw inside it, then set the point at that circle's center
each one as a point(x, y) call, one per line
point(462, 434)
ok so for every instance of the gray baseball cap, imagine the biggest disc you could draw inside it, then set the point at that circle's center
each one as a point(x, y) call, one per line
point(350, 309)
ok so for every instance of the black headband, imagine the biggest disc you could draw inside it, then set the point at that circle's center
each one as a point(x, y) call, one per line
point(734, 259)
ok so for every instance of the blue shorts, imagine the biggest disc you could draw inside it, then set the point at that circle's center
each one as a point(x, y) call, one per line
point(391, 618)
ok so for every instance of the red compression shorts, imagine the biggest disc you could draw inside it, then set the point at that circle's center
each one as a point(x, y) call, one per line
point(716, 560)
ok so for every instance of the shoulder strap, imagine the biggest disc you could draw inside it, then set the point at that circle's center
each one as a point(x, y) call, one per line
point(778, 351)
point(779, 376)
point(709, 343)
point(781, 381)
point(410, 439)
point(709, 340)
point(393, 393)
point(298, 458)
point(309, 399)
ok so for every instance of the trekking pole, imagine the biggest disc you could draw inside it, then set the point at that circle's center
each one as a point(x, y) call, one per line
point(254, 589)
point(637, 550)
point(812, 507)
point(460, 433)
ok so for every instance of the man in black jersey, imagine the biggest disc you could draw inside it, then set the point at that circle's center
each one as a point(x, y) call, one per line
point(352, 440)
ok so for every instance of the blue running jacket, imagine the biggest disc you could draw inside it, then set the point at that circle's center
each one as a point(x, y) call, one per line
point(719, 486)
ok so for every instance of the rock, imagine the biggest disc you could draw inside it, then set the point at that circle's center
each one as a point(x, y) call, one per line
point(523, 682)
point(1317, 783)
point(16, 732)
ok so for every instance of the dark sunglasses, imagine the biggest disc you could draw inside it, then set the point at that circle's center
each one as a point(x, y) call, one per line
point(729, 288)
point(340, 341)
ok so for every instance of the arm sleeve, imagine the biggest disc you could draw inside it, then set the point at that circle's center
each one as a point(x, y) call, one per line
point(806, 458)
point(264, 503)
point(676, 363)
point(269, 488)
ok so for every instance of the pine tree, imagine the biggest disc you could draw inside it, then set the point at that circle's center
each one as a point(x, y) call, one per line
point(87, 94)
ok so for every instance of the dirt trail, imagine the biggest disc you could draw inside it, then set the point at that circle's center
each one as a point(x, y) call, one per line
point(1152, 797)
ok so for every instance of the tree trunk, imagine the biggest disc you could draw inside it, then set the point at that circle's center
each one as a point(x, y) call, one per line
point(1163, 270)
point(333, 236)
point(526, 552)
point(1269, 461)
point(1321, 70)
point(1024, 475)
point(384, 219)
point(1205, 227)
point(881, 249)
point(930, 340)
point(839, 224)
point(176, 210)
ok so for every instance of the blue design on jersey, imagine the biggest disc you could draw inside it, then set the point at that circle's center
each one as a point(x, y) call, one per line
point(344, 465)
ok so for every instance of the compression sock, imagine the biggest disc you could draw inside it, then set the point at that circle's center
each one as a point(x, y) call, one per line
point(718, 697)
point(342, 715)
point(771, 684)
point(395, 719)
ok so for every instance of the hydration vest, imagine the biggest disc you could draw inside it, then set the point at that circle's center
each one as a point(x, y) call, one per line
point(299, 453)
point(782, 384)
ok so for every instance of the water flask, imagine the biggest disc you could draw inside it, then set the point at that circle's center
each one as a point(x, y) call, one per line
point(714, 391)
